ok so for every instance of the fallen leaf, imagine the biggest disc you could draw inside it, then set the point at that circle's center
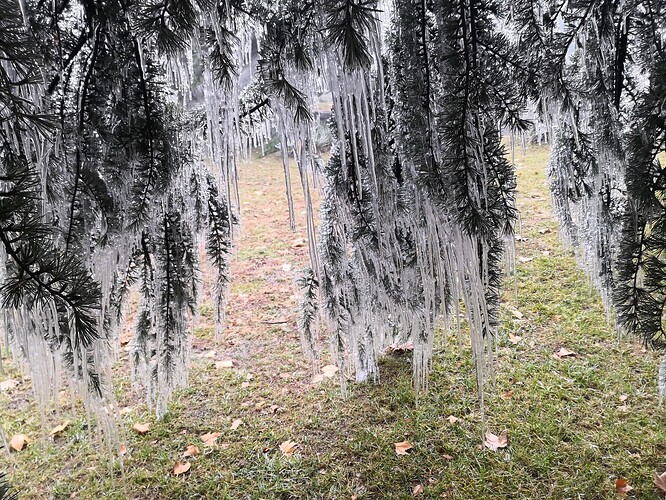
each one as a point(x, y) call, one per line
point(288, 448)
point(622, 487)
point(516, 313)
point(125, 410)
point(329, 371)
point(191, 451)
point(403, 448)
point(141, 428)
point(545, 253)
point(123, 449)
point(18, 442)
point(623, 398)
point(236, 424)
point(181, 468)
point(245, 385)
point(298, 243)
point(660, 481)
point(417, 490)
point(447, 456)
point(452, 419)
point(545, 231)
point(274, 408)
point(318, 378)
point(227, 363)
point(59, 428)
point(10, 383)
point(514, 339)
point(494, 442)
point(210, 354)
point(507, 395)
point(524, 260)
point(210, 438)
point(563, 352)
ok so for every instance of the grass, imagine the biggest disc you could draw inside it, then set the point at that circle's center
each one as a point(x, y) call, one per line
point(575, 424)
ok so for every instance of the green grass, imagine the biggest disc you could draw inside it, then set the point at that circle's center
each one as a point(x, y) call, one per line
point(570, 435)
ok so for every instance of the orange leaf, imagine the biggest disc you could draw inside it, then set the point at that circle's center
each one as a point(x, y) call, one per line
point(563, 352)
point(507, 395)
point(403, 448)
point(622, 487)
point(181, 468)
point(18, 442)
point(141, 428)
point(210, 438)
point(10, 383)
point(59, 428)
point(417, 490)
point(494, 442)
point(329, 371)
point(660, 481)
point(236, 424)
point(191, 451)
point(288, 448)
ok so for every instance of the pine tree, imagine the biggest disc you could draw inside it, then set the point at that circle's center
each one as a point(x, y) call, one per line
point(122, 124)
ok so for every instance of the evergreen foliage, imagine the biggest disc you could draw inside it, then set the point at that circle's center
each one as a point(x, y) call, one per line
point(122, 124)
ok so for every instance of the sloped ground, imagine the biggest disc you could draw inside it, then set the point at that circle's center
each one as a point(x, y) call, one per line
point(574, 424)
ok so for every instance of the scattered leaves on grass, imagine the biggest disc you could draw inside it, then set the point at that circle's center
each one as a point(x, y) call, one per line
point(59, 428)
point(329, 371)
point(288, 448)
point(507, 395)
point(317, 378)
point(122, 449)
point(563, 352)
point(191, 451)
point(236, 424)
point(447, 456)
point(623, 398)
point(514, 339)
point(660, 481)
point(494, 442)
point(8, 384)
point(226, 363)
point(417, 490)
point(141, 428)
point(181, 468)
point(622, 487)
point(452, 419)
point(403, 448)
point(18, 442)
point(209, 438)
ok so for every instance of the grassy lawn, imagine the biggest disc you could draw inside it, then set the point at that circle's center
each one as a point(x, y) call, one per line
point(574, 424)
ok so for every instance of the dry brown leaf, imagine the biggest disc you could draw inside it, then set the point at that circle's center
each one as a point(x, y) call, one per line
point(417, 490)
point(10, 383)
point(329, 371)
point(660, 481)
point(452, 419)
point(623, 398)
point(516, 313)
point(447, 456)
point(210, 438)
point(181, 468)
point(236, 424)
point(288, 448)
point(191, 451)
point(18, 442)
point(622, 487)
point(59, 428)
point(123, 449)
point(274, 408)
point(141, 428)
point(563, 352)
point(494, 442)
point(403, 448)
point(514, 339)
point(507, 395)
point(317, 378)
point(298, 243)
point(227, 363)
